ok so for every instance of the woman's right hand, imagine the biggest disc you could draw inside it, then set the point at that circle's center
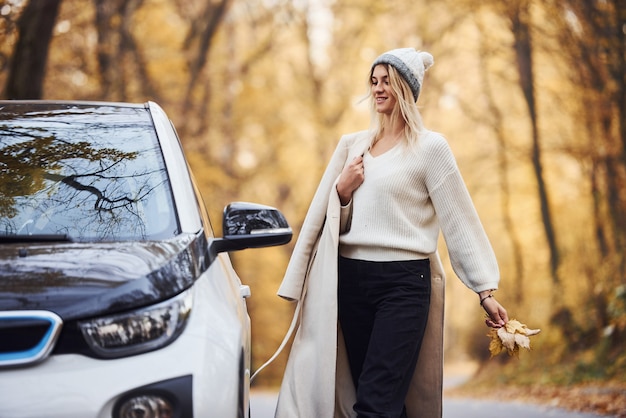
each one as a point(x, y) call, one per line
point(350, 179)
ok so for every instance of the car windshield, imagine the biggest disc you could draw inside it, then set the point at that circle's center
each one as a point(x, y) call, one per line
point(83, 173)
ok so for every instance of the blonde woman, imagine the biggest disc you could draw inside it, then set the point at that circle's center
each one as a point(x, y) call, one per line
point(365, 270)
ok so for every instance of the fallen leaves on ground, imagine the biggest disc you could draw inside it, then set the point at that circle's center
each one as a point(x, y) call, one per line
point(607, 400)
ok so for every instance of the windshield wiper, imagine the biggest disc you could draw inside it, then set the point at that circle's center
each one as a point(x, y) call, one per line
point(35, 238)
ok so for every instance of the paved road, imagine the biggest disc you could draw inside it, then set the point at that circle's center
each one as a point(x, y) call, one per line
point(264, 403)
point(472, 408)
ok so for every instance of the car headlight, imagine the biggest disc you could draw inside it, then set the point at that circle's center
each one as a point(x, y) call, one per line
point(138, 331)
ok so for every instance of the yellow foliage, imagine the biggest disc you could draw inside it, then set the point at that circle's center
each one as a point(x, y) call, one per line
point(510, 338)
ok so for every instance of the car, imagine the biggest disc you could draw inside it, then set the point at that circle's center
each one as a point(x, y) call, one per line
point(117, 300)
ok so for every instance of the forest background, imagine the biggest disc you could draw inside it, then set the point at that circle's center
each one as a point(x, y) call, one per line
point(530, 94)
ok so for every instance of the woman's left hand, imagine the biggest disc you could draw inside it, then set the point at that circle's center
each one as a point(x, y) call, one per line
point(497, 314)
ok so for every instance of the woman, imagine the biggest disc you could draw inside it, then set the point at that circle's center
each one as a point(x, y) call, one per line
point(365, 269)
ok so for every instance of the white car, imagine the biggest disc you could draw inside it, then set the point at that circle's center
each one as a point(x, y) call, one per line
point(116, 299)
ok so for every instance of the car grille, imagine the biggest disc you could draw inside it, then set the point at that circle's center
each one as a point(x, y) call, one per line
point(27, 337)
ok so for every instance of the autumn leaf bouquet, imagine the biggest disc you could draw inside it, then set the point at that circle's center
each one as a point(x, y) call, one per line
point(510, 338)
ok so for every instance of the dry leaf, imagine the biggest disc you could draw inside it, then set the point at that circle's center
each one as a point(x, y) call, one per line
point(507, 338)
point(522, 341)
point(510, 338)
point(495, 345)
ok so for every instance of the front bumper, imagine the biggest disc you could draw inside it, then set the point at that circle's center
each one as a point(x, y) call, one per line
point(208, 352)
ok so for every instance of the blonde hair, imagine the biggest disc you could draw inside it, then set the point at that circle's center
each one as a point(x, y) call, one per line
point(405, 109)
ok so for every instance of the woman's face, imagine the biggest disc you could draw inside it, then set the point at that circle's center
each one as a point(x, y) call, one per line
point(381, 90)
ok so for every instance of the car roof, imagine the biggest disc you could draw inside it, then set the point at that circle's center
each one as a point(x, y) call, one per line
point(77, 102)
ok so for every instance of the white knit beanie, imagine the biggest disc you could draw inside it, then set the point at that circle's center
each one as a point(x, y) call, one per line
point(411, 65)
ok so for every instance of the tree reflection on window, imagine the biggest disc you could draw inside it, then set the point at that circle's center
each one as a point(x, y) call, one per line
point(90, 173)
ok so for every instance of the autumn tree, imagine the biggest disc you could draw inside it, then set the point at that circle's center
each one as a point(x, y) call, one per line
point(518, 14)
point(121, 61)
point(28, 63)
point(530, 95)
point(593, 44)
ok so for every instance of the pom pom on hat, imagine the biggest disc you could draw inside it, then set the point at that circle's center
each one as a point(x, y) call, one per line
point(411, 65)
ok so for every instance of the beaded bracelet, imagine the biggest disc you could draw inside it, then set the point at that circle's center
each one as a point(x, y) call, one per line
point(485, 298)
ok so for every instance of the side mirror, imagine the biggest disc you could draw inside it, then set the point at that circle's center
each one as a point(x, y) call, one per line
point(250, 225)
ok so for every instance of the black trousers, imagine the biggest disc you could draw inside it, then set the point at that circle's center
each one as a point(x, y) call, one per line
point(383, 309)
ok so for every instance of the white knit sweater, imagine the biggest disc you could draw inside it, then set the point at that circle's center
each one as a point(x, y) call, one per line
point(407, 196)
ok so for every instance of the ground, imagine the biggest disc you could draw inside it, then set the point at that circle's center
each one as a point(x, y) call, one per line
point(605, 398)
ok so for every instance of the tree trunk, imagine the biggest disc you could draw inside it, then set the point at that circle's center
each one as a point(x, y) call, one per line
point(28, 65)
point(620, 81)
point(200, 40)
point(520, 26)
point(123, 69)
point(503, 173)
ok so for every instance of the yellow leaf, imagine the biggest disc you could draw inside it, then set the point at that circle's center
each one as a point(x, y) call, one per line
point(495, 345)
point(514, 326)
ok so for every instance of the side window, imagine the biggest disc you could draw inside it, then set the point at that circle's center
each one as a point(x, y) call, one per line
point(206, 222)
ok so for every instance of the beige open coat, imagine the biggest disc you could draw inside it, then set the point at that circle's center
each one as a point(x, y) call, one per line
point(317, 381)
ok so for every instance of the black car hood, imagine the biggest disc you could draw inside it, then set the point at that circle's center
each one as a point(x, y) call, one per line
point(81, 280)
